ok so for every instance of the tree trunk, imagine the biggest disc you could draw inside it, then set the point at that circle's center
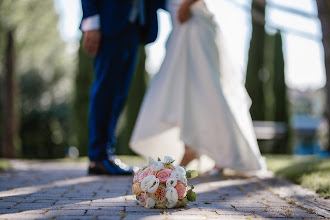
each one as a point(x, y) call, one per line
point(324, 16)
point(9, 116)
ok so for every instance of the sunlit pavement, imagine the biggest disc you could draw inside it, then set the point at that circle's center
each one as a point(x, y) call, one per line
point(62, 190)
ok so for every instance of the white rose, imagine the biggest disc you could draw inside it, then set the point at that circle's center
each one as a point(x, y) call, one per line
point(171, 182)
point(171, 195)
point(150, 184)
point(150, 203)
point(168, 159)
point(176, 175)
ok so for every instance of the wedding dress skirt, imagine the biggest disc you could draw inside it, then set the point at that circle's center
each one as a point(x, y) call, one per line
point(197, 99)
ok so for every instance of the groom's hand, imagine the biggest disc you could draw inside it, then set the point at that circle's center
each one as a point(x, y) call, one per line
point(91, 42)
point(184, 13)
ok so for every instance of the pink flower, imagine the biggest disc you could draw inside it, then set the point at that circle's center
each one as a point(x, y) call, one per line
point(159, 195)
point(146, 172)
point(181, 188)
point(136, 176)
point(163, 175)
point(136, 188)
point(143, 198)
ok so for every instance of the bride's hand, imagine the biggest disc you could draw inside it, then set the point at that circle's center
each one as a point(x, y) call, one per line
point(184, 13)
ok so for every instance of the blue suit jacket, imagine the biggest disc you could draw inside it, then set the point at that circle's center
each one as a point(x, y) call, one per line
point(114, 15)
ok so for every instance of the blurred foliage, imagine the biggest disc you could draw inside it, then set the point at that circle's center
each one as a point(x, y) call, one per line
point(310, 172)
point(255, 74)
point(265, 79)
point(82, 85)
point(281, 100)
point(275, 90)
point(4, 165)
point(43, 66)
point(323, 8)
point(279, 87)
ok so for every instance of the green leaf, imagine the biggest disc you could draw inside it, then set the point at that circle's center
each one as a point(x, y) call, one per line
point(191, 174)
point(159, 159)
point(137, 198)
point(191, 196)
point(170, 162)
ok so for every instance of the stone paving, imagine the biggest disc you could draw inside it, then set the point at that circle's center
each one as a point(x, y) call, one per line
point(62, 190)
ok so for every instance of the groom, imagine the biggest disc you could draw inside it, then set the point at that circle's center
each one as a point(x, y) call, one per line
point(113, 30)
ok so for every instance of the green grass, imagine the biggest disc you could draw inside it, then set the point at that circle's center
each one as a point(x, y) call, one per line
point(4, 165)
point(310, 172)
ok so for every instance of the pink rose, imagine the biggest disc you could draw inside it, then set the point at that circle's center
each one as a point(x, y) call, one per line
point(143, 198)
point(163, 175)
point(181, 188)
point(136, 176)
point(146, 172)
point(136, 188)
point(159, 195)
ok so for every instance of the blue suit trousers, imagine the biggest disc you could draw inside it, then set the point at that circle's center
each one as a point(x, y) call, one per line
point(113, 66)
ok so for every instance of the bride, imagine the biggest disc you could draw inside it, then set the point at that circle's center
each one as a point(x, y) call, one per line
point(197, 106)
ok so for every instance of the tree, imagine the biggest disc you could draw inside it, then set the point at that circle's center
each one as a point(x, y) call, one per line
point(265, 80)
point(268, 77)
point(255, 73)
point(275, 89)
point(323, 7)
point(9, 90)
point(281, 113)
point(41, 58)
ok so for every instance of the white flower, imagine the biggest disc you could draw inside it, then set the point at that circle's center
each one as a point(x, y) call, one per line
point(184, 180)
point(150, 184)
point(168, 159)
point(171, 182)
point(181, 170)
point(176, 175)
point(145, 166)
point(157, 165)
point(171, 195)
point(170, 205)
point(150, 203)
point(151, 161)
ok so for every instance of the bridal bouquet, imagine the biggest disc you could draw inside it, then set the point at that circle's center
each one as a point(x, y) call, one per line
point(160, 184)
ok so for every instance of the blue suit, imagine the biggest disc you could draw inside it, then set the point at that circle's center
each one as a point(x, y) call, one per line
point(114, 66)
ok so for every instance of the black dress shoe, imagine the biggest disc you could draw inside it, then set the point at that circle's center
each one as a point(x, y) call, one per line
point(109, 167)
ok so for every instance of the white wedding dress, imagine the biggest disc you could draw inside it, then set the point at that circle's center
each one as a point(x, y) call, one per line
point(197, 99)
